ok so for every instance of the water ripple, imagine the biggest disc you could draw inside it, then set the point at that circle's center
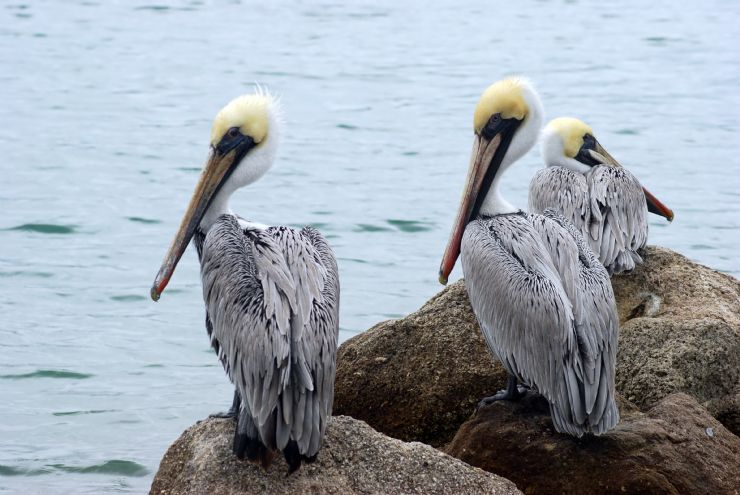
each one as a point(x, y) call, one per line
point(48, 374)
point(144, 220)
point(16, 471)
point(45, 228)
point(411, 225)
point(115, 466)
point(129, 298)
point(366, 227)
point(77, 413)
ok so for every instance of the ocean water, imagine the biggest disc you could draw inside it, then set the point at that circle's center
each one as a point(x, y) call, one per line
point(105, 120)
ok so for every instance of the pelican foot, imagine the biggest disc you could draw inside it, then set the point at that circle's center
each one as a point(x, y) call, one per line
point(223, 414)
point(521, 391)
point(512, 392)
point(233, 410)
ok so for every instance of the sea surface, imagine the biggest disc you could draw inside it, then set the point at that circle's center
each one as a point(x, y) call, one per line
point(105, 119)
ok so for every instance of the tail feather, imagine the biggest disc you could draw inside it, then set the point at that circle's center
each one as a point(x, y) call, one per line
point(247, 443)
point(250, 444)
point(604, 417)
point(252, 449)
point(294, 458)
point(624, 261)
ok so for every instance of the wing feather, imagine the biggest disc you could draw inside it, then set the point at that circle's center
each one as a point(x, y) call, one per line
point(546, 309)
point(607, 205)
point(272, 296)
point(564, 190)
point(596, 321)
point(619, 217)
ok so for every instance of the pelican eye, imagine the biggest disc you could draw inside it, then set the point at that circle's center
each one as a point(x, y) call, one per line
point(233, 138)
point(584, 155)
point(495, 125)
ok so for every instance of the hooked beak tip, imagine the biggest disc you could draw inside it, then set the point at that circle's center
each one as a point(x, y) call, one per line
point(154, 293)
point(442, 279)
point(656, 207)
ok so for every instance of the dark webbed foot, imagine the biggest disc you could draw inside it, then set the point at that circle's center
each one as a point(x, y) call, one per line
point(512, 392)
point(223, 414)
point(232, 412)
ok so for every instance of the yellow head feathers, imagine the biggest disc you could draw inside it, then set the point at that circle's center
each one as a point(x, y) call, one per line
point(571, 131)
point(505, 97)
point(250, 113)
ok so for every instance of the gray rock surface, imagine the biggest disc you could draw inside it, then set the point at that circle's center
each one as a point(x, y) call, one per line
point(355, 459)
point(679, 332)
point(420, 377)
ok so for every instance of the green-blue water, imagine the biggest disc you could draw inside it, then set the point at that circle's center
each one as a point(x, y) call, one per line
point(104, 124)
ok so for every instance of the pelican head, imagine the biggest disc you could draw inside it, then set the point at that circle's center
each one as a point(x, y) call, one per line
point(571, 143)
point(243, 141)
point(506, 123)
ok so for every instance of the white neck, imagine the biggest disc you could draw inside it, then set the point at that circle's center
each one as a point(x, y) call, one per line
point(552, 151)
point(524, 139)
point(252, 167)
point(219, 206)
point(494, 203)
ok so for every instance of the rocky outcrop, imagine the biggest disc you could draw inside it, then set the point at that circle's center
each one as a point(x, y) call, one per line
point(675, 447)
point(420, 377)
point(680, 332)
point(355, 459)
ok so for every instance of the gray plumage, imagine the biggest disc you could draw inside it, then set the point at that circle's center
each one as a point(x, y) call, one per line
point(607, 204)
point(272, 302)
point(547, 311)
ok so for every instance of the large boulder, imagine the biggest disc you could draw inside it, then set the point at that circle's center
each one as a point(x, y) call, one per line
point(680, 331)
point(355, 459)
point(419, 377)
point(675, 447)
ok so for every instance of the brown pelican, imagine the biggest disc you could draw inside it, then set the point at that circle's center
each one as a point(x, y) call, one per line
point(543, 300)
point(594, 192)
point(271, 295)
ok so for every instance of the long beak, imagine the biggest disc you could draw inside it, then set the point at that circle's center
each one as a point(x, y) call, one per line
point(217, 170)
point(602, 156)
point(480, 162)
point(654, 205)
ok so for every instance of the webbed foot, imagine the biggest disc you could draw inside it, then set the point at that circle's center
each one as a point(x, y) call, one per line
point(512, 392)
point(233, 410)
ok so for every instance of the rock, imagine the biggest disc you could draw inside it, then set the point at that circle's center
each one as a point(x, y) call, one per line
point(676, 447)
point(420, 377)
point(679, 332)
point(354, 459)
